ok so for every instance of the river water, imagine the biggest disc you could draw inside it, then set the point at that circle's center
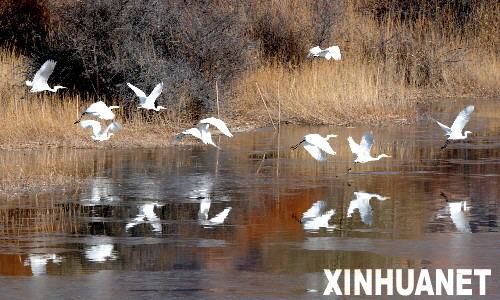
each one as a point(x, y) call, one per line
point(255, 219)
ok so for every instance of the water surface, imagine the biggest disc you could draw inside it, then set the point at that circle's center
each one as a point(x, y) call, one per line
point(151, 223)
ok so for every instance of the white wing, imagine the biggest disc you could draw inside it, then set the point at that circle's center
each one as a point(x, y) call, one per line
point(142, 96)
point(150, 101)
point(320, 142)
point(446, 129)
point(219, 124)
point(96, 108)
point(366, 142)
point(315, 210)
point(334, 52)
point(43, 74)
point(194, 132)
point(204, 209)
point(315, 152)
point(113, 127)
point(219, 218)
point(95, 125)
point(462, 119)
point(314, 51)
point(319, 222)
point(355, 148)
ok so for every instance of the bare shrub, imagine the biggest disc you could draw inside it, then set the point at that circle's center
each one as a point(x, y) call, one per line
point(23, 24)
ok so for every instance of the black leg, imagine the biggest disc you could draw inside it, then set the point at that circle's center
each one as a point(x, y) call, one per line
point(445, 144)
point(295, 147)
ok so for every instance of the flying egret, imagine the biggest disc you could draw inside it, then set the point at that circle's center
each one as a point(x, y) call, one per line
point(316, 217)
point(146, 215)
point(362, 150)
point(455, 132)
point(100, 110)
point(361, 202)
point(148, 102)
point(317, 146)
point(39, 82)
point(314, 51)
point(201, 132)
point(99, 134)
point(332, 52)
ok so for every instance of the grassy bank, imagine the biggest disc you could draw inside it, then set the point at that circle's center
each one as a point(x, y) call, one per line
point(395, 54)
point(389, 63)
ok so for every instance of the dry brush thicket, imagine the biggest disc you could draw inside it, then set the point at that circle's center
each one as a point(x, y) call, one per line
point(394, 53)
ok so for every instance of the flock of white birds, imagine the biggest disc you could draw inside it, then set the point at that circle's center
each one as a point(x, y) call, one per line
point(316, 145)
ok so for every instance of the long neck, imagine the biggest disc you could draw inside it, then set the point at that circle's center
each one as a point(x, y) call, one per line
point(466, 133)
point(380, 156)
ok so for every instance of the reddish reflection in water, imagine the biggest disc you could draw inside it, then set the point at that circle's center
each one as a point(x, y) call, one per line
point(211, 216)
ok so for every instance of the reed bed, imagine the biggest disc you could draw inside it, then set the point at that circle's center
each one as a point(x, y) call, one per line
point(42, 119)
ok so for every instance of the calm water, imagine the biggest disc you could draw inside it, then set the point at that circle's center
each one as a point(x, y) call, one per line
point(150, 223)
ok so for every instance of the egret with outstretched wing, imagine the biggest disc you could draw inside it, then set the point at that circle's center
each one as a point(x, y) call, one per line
point(455, 132)
point(39, 82)
point(99, 134)
point(317, 146)
point(362, 150)
point(148, 102)
point(201, 132)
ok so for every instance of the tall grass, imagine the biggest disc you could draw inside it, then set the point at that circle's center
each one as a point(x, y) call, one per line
point(30, 120)
point(392, 58)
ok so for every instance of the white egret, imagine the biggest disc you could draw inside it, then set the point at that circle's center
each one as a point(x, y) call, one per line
point(317, 146)
point(146, 215)
point(315, 217)
point(39, 83)
point(332, 52)
point(100, 253)
point(148, 102)
point(100, 110)
point(361, 202)
point(314, 51)
point(455, 132)
point(362, 150)
point(201, 132)
point(99, 134)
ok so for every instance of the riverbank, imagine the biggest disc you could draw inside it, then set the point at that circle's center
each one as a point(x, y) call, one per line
point(319, 93)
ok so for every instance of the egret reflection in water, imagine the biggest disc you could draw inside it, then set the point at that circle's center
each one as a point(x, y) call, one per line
point(361, 202)
point(456, 210)
point(205, 209)
point(100, 253)
point(38, 262)
point(101, 189)
point(146, 215)
point(316, 217)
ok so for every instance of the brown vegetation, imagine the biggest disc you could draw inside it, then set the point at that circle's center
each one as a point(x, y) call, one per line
point(395, 53)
